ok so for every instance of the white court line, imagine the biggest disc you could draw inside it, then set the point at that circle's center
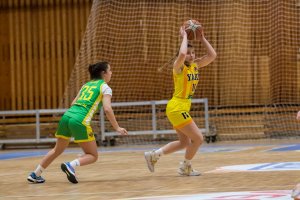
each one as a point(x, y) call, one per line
point(201, 194)
point(263, 188)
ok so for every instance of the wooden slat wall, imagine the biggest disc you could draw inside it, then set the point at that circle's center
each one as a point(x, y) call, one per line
point(38, 46)
point(4, 60)
point(40, 40)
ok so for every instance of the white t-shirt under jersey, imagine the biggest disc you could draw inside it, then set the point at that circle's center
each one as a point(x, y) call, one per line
point(106, 89)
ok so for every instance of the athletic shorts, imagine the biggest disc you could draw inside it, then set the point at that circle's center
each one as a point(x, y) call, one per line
point(69, 127)
point(178, 112)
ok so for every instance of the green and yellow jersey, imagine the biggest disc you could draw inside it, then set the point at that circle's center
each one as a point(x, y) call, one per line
point(89, 100)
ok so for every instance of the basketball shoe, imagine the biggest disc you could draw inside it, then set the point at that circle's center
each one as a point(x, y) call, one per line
point(33, 178)
point(151, 159)
point(69, 170)
point(187, 170)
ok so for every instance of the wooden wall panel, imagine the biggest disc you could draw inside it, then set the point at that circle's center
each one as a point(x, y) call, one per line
point(39, 43)
point(5, 77)
point(40, 40)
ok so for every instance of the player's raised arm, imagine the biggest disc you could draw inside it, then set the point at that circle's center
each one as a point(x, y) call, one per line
point(178, 64)
point(209, 56)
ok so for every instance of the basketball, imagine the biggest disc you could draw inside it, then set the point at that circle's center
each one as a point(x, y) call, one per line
point(193, 29)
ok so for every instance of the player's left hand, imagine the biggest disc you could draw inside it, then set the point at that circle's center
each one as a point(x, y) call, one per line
point(122, 131)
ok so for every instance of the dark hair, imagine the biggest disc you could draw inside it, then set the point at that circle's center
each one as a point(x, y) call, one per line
point(97, 69)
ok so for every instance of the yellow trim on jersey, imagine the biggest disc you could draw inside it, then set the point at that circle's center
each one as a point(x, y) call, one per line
point(94, 107)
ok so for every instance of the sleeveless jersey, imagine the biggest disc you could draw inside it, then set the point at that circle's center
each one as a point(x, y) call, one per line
point(89, 100)
point(186, 82)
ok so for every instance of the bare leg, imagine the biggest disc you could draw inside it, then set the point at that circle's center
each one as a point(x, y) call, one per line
point(186, 134)
point(60, 146)
point(192, 131)
point(91, 154)
point(182, 143)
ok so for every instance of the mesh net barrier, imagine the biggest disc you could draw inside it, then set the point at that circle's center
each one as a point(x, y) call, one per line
point(252, 87)
point(138, 120)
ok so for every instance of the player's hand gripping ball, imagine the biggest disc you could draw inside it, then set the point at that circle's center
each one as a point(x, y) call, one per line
point(193, 29)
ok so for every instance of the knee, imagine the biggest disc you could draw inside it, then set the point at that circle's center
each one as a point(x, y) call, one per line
point(184, 144)
point(95, 157)
point(198, 140)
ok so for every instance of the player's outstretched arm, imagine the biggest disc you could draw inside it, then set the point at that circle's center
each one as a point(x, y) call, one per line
point(106, 101)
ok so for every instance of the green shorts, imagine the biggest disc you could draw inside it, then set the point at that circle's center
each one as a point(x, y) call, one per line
point(69, 127)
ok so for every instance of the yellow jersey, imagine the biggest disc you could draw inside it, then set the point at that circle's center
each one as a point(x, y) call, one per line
point(186, 82)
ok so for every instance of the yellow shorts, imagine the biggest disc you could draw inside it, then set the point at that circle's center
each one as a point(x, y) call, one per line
point(178, 112)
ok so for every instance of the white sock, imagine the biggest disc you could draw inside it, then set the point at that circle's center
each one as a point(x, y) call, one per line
point(158, 153)
point(75, 163)
point(39, 170)
point(187, 162)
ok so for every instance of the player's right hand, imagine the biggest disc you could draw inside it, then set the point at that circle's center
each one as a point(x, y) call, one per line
point(122, 131)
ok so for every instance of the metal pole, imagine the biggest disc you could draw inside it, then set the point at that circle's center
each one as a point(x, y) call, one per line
point(37, 128)
point(102, 124)
point(154, 127)
point(206, 116)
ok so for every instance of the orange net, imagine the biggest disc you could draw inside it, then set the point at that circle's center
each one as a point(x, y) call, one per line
point(253, 85)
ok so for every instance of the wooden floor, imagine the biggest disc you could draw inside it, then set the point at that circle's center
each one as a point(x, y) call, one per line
point(122, 174)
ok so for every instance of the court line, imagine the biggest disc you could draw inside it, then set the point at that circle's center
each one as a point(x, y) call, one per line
point(286, 192)
point(233, 189)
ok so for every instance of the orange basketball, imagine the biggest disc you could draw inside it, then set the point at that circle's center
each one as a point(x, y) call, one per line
point(193, 29)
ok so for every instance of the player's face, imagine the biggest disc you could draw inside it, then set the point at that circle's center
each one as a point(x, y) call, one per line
point(107, 74)
point(190, 55)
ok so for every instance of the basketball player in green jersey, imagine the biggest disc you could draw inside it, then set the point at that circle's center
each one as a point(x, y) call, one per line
point(76, 123)
point(185, 77)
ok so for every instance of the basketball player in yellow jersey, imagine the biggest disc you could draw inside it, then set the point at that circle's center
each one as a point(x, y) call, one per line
point(185, 75)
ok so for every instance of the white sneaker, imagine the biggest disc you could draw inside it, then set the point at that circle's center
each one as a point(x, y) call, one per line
point(296, 192)
point(151, 160)
point(187, 170)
